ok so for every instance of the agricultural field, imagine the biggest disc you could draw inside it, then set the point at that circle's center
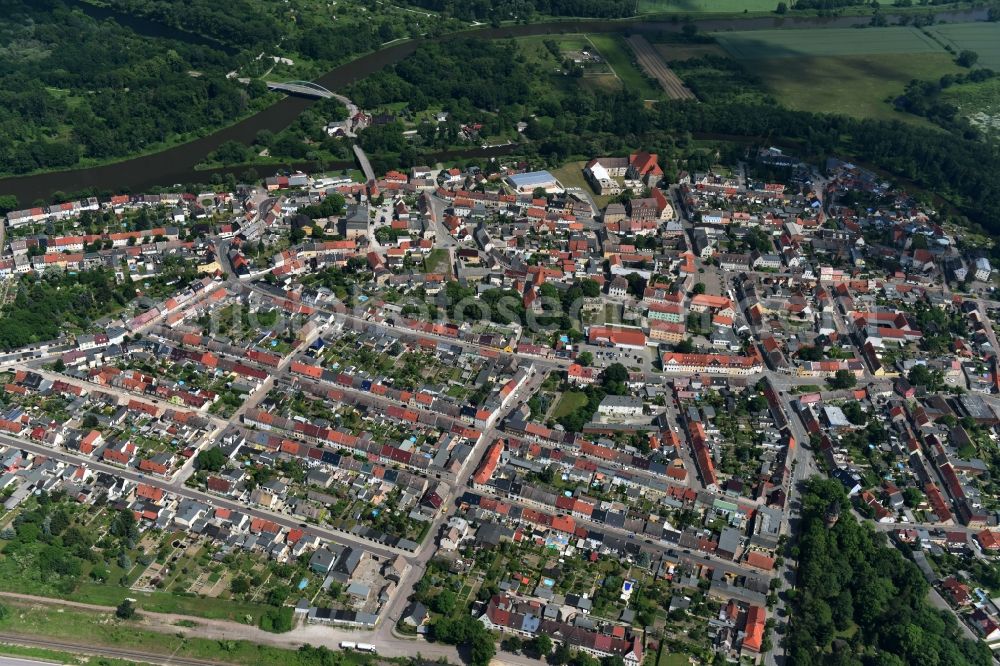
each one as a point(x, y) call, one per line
point(760, 44)
point(705, 6)
point(983, 38)
point(859, 86)
point(855, 72)
point(685, 51)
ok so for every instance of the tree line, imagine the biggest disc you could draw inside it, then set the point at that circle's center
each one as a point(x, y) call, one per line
point(503, 10)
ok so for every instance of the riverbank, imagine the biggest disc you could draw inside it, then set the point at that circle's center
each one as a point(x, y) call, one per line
point(177, 165)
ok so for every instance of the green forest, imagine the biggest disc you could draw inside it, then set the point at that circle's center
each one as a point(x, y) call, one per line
point(78, 91)
point(74, 88)
point(860, 602)
point(322, 30)
point(464, 74)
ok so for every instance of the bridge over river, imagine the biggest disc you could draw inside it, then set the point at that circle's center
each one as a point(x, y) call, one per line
point(179, 163)
point(304, 88)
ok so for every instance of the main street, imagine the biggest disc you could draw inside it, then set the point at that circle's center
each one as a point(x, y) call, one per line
point(803, 466)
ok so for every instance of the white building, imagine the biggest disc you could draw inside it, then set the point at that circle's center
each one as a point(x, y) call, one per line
point(983, 269)
point(620, 405)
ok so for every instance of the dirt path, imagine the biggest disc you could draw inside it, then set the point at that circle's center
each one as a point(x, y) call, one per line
point(314, 634)
point(167, 622)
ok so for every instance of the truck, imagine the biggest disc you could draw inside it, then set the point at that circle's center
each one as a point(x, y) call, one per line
point(366, 647)
point(348, 645)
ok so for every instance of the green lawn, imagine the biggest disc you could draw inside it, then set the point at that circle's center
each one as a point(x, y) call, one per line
point(568, 403)
point(758, 44)
point(705, 6)
point(673, 659)
point(857, 86)
point(437, 261)
point(597, 75)
point(619, 56)
point(983, 38)
point(106, 594)
point(571, 175)
point(573, 42)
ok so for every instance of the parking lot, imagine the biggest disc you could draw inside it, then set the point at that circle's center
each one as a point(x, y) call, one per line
point(641, 359)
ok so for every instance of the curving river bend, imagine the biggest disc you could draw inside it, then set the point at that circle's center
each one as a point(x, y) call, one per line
point(176, 165)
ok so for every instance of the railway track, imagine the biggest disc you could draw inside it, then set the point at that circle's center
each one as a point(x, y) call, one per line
point(653, 65)
point(105, 651)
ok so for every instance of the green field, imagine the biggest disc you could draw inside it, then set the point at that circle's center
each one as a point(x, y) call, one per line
point(674, 51)
point(617, 54)
point(438, 261)
point(569, 402)
point(758, 44)
point(857, 86)
point(983, 38)
point(979, 102)
point(98, 629)
point(57, 657)
point(855, 72)
point(706, 6)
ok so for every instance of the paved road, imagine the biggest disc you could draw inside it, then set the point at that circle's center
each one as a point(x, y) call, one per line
point(19, 661)
point(383, 636)
point(388, 643)
point(803, 466)
point(360, 323)
point(125, 396)
point(990, 335)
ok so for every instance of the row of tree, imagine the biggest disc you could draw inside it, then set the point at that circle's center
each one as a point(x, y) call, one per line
point(505, 10)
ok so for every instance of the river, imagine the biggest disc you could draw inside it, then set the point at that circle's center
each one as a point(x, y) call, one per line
point(148, 27)
point(176, 165)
